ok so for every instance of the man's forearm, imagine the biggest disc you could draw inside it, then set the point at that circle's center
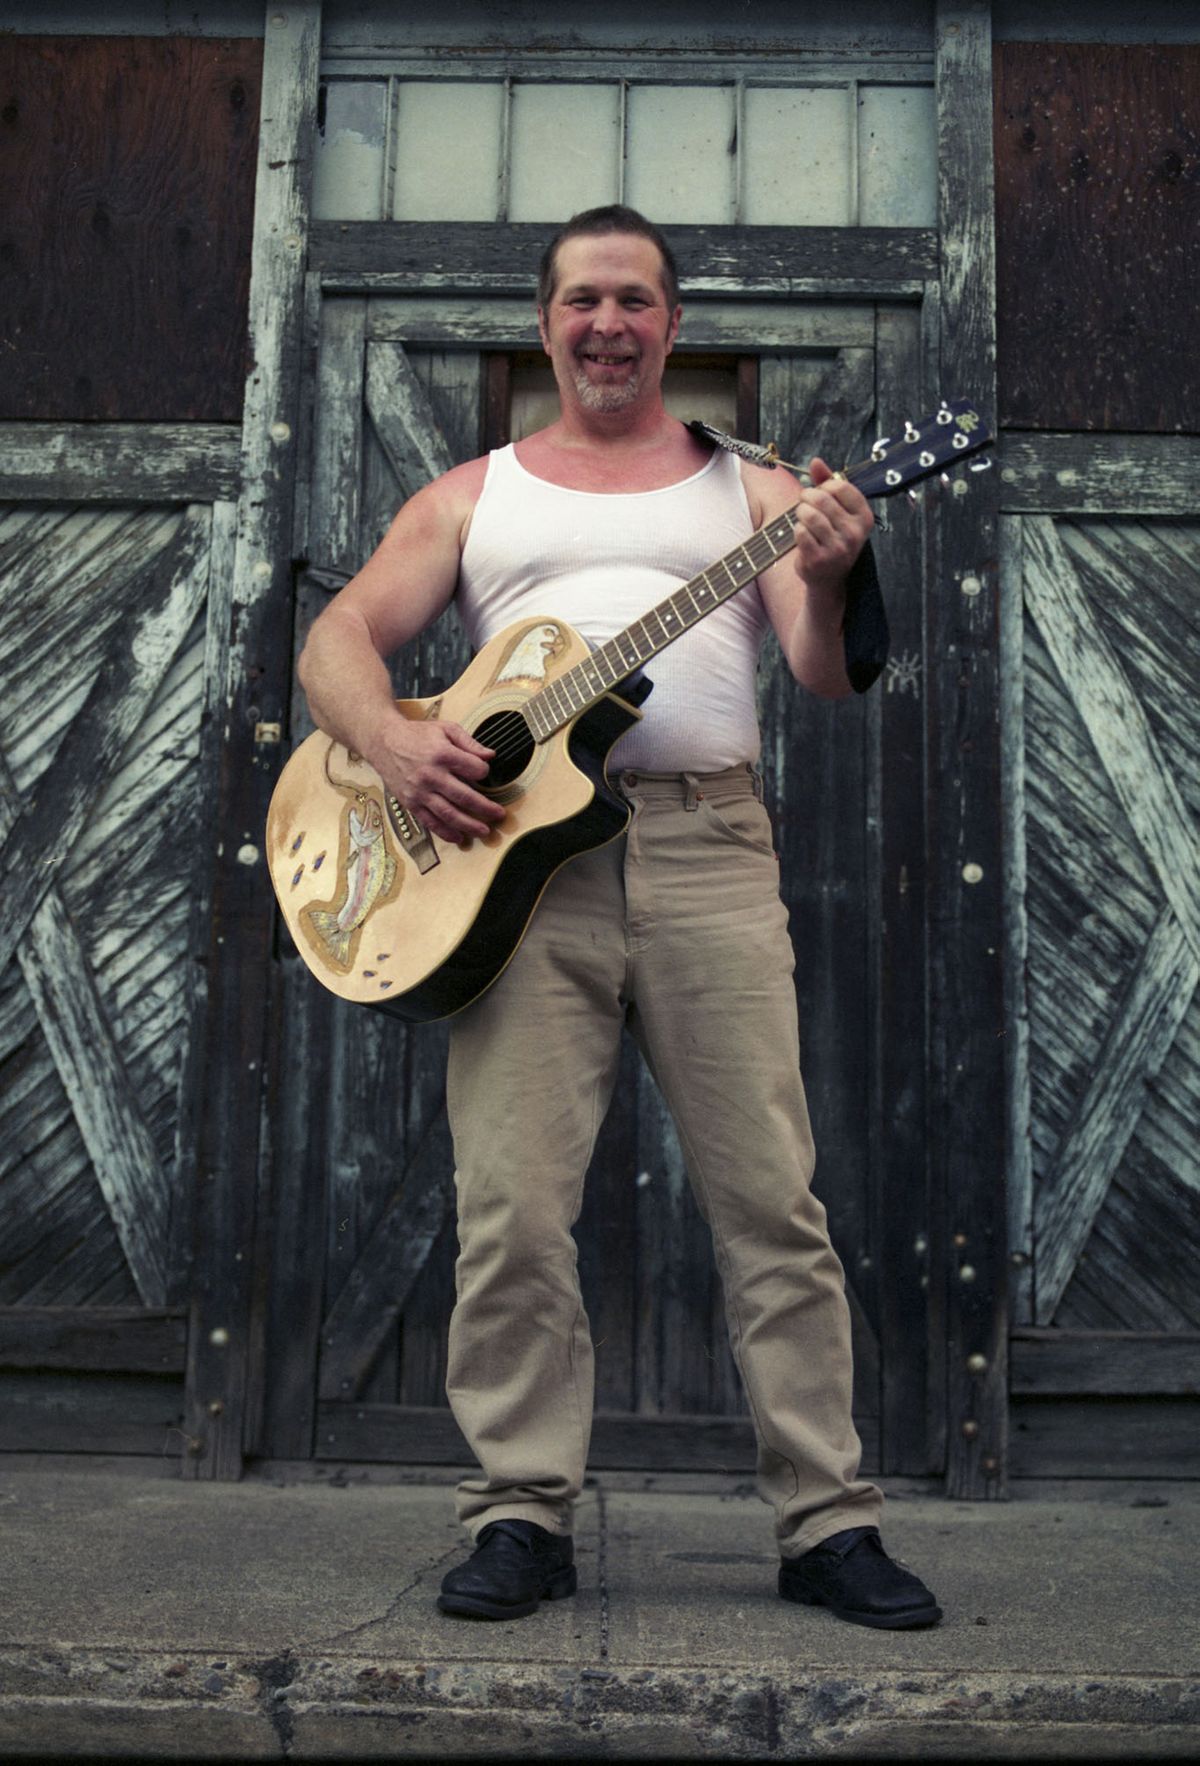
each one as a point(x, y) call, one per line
point(814, 650)
point(346, 682)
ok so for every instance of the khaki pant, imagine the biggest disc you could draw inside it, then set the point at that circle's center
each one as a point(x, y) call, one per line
point(677, 931)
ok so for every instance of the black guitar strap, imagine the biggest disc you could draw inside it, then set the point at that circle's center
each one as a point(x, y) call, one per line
point(865, 634)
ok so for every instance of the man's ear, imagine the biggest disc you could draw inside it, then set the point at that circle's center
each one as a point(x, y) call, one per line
point(673, 328)
point(542, 330)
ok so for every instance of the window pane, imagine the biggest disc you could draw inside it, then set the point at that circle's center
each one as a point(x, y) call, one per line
point(348, 167)
point(797, 157)
point(680, 149)
point(448, 150)
point(897, 156)
point(566, 148)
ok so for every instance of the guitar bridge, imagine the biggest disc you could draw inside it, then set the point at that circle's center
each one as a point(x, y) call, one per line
point(414, 840)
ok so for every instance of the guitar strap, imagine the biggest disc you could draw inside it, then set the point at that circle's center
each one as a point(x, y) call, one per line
point(865, 634)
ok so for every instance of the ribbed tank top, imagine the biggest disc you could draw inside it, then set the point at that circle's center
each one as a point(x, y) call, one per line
point(600, 562)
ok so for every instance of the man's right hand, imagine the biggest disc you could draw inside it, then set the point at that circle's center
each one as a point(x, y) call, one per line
point(428, 767)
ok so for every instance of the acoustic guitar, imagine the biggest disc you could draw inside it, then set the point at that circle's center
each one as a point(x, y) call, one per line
point(385, 914)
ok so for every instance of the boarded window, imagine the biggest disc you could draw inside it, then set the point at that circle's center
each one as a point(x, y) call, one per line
point(126, 211)
point(1098, 235)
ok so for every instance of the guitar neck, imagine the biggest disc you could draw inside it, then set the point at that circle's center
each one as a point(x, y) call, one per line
point(565, 697)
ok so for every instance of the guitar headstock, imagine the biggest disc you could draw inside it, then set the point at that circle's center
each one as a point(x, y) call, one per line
point(955, 431)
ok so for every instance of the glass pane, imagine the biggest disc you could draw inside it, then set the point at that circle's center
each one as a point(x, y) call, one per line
point(680, 152)
point(565, 145)
point(897, 156)
point(448, 150)
point(796, 170)
point(705, 389)
point(348, 167)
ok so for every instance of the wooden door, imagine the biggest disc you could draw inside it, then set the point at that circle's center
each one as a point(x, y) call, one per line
point(1104, 791)
point(361, 1256)
point(112, 627)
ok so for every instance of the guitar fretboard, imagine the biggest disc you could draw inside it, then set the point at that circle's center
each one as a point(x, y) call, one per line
point(564, 698)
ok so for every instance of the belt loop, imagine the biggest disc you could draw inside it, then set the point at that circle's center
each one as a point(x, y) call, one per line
point(693, 794)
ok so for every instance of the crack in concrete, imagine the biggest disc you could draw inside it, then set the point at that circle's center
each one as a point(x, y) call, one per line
point(275, 1675)
point(602, 1568)
point(393, 1608)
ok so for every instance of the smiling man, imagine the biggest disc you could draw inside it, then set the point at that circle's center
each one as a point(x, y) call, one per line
point(675, 931)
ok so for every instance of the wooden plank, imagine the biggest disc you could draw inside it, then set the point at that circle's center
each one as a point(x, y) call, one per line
point(1125, 1364)
point(164, 603)
point(1114, 720)
point(46, 1412)
point(966, 876)
point(1066, 474)
point(377, 1286)
point(258, 680)
point(112, 1339)
point(503, 256)
point(649, 1443)
point(896, 737)
point(128, 215)
point(337, 434)
point(1019, 1172)
point(1078, 126)
point(734, 323)
point(119, 462)
point(1144, 1026)
point(1104, 1438)
point(403, 418)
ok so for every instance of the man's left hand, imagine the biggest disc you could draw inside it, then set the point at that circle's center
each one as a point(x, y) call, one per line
point(832, 521)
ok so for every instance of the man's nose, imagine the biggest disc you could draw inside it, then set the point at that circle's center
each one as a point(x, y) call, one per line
point(608, 318)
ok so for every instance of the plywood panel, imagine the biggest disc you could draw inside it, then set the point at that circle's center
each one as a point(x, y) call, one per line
point(128, 170)
point(1098, 234)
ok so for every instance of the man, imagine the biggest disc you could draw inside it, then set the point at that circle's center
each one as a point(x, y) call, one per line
point(675, 930)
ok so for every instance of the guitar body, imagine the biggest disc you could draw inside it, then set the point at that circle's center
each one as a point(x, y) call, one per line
point(384, 914)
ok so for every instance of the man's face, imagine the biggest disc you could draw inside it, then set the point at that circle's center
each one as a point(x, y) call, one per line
point(608, 330)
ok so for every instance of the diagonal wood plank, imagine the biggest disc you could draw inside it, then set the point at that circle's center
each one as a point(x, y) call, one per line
point(1143, 1028)
point(1115, 721)
point(166, 599)
point(839, 411)
point(403, 417)
point(381, 1279)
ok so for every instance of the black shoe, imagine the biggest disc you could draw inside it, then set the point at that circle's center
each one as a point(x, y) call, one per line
point(852, 1575)
point(515, 1564)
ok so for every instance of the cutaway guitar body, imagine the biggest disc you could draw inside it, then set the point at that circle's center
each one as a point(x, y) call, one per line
point(386, 916)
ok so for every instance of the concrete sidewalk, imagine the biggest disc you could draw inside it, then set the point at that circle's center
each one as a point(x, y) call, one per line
point(148, 1618)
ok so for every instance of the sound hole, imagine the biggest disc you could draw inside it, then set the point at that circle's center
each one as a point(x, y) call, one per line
point(508, 733)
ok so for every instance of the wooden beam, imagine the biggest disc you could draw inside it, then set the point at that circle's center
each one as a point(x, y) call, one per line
point(1116, 1364)
point(966, 875)
point(111, 1339)
point(1134, 475)
point(223, 1319)
point(502, 257)
point(119, 462)
point(404, 419)
point(48, 1412)
point(652, 1443)
point(1105, 1438)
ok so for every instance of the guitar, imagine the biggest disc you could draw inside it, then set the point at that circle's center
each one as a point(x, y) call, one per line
point(386, 915)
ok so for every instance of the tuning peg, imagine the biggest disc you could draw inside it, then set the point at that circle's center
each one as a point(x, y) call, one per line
point(944, 477)
point(914, 496)
point(983, 464)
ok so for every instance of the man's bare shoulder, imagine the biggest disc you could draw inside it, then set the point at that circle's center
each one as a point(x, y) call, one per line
point(457, 491)
point(769, 490)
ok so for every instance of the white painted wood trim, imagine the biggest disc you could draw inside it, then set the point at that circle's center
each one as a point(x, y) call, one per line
point(1016, 953)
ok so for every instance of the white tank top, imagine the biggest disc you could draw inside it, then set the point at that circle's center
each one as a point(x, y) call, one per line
point(600, 562)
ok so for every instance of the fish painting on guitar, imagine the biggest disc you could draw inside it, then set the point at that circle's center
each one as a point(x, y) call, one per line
point(383, 913)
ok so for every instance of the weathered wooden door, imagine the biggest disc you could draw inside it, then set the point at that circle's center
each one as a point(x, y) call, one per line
point(112, 627)
point(1104, 795)
point(362, 1254)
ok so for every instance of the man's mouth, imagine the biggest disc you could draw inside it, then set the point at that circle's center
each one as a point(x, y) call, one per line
point(606, 358)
